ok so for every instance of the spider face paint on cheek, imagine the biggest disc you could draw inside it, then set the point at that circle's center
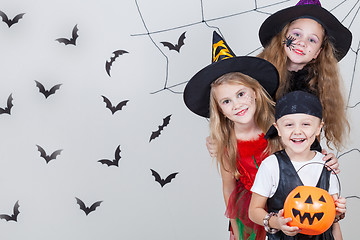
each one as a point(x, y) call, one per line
point(289, 42)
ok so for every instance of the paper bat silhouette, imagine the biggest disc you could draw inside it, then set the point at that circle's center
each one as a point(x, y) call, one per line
point(72, 40)
point(86, 209)
point(7, 109)
point(161, 181)
point(114, 162)
point(108, 64)
point(161, 127)
point(11, 22)
point(112, 108)
point(48, 158)
point(47, 93)
point(177, 46)
point(12, 217)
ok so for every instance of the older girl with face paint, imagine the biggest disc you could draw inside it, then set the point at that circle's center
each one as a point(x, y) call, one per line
point(305, 43)
point(298, 118)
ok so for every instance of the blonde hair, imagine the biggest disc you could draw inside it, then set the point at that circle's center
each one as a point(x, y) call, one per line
point(325, 82)
point(222, 129)
point(274, 144)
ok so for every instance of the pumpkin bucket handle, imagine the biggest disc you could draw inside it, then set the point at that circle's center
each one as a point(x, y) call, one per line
point(332, 170)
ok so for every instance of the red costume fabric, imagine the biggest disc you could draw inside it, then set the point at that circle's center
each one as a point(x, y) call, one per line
point(251, 154)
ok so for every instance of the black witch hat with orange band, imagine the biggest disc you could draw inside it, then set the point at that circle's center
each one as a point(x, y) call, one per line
point(197, 90)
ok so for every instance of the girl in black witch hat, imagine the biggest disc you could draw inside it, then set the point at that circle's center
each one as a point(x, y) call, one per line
point(235, 92)
point(305, 43)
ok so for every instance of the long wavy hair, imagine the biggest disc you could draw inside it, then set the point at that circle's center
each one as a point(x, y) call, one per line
point(325, 81)
point(222, 129)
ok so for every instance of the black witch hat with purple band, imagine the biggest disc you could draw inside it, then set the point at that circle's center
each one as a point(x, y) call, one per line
point(197, 90)
point(338, 34)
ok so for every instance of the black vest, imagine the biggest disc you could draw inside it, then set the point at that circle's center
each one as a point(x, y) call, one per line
point(289, 179)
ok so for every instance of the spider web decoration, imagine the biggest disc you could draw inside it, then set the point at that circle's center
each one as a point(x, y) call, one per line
point(166, 86)
point(349, 9)
point(350, 20)
point(351, 17)
point(349, 197)
point(76, 118)
point(352, 12)
point(349, 151)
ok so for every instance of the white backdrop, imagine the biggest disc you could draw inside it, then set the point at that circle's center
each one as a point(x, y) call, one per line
point(151, 78)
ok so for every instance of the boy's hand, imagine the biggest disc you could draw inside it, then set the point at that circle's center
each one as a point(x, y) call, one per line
point(282, 223)
point(340, 204)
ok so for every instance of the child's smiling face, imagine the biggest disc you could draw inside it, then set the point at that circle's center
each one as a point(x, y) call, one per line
point(298, 131)
point(309, 36)
point(237, 102)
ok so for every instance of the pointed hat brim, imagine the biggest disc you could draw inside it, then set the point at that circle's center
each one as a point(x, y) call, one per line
point(197, 91)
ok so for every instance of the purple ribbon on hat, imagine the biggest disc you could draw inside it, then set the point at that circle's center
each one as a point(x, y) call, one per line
point(308, 2)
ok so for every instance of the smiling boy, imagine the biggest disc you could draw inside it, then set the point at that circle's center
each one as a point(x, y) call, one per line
point(298, 121)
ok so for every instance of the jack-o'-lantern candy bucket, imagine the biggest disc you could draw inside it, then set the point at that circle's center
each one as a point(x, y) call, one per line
point(312, 209)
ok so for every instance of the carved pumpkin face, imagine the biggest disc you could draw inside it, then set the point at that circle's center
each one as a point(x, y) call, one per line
point(312, 209)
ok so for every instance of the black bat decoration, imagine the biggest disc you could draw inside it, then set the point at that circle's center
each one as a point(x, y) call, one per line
point(12, 217)
point(114, 162)
point(162, 181)
point(108, 64)
point(11, 22)
point(72, 40)
point(48, 158)
point(161, 127)
point(86, 209)
point(47, 93)
point(112, 108)
point(9, 106)
point(177, 46)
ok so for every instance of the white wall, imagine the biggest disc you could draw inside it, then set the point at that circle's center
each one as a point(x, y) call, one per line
point(152, 78)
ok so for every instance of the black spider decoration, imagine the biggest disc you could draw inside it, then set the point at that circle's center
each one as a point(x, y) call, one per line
point(289, 42)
